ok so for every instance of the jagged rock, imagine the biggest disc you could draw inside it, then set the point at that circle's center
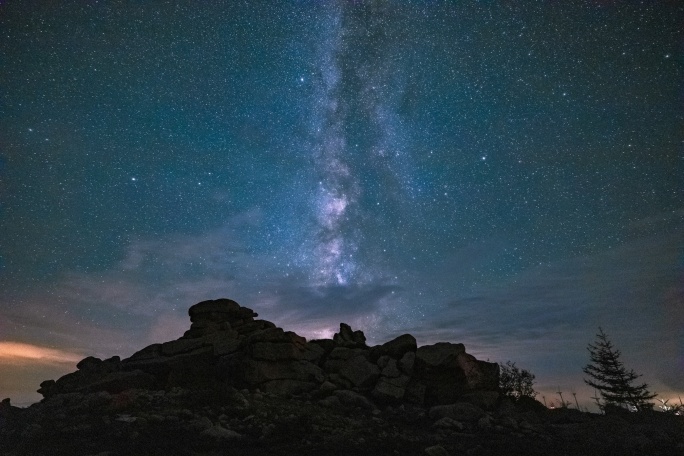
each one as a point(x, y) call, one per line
point(348, 338)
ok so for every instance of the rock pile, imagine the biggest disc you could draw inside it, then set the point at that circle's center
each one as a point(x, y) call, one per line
point(227, 345)
point(234, 384)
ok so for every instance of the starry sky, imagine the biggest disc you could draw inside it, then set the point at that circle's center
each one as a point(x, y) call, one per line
point(508, 175)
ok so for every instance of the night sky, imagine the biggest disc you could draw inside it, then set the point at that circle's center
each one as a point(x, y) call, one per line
point(509, 175)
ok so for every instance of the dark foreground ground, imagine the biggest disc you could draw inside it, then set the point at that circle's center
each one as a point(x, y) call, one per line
point(184, 422)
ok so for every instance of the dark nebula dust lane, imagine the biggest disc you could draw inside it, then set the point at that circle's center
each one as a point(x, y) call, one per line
point(505, 176)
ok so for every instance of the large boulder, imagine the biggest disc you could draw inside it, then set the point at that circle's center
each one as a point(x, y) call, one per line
point(360, 372)
point(391, 390)
point(448, 373)
point(395, 348)
point(217, 315)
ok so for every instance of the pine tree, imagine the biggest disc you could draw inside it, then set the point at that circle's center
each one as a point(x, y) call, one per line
point(609, 376)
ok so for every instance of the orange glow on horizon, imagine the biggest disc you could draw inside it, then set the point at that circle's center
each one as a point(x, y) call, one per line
point(18, 351)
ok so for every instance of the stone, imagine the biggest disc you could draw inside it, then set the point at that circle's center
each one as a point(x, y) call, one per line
point(441, 354)
point(179, 346)
point(345, 353)
point(115, 382)
point(275, 334)
point(287, 387)
point(486, 400)
point(225, 346)
point(388, 392)
point(390, 369)
point(484, 422)
point(436, 450)
point(219, 433)
point(89, 363)
point(462, 411)
point(448, 423)
point(313, 353)
point(348, 338)
point(406, 363)
point(360, 372)
point(250, 327)
point(448, 373)
point(396, 348)
point(327, 387)
point(46, 388)
point(352, 399)
point(276, 351)
point(257, 371)
point(149, 352)
point(217, 315)
point(213, 308)
point(330, 402)
point(326, 344)
point(415, 393)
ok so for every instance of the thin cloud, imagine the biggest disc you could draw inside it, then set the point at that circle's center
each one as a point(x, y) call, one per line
point(22, 353)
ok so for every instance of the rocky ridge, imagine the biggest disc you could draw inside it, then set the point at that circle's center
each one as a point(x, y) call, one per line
point(227, 345)
point(233, 384)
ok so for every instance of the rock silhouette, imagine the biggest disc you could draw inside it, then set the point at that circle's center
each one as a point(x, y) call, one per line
point(227, 345)
point(237, 385)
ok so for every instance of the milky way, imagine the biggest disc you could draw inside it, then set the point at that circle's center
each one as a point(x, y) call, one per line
point(338, 190)
point(358, 142)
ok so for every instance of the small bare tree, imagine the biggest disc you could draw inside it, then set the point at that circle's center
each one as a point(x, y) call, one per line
point(515, 382)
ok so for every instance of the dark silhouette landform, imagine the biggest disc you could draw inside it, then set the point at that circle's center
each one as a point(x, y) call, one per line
point(237, 385)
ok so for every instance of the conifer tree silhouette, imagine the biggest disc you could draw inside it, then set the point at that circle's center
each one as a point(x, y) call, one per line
point(613, 381)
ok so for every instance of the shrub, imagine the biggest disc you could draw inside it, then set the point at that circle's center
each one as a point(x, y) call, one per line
point(514, 382)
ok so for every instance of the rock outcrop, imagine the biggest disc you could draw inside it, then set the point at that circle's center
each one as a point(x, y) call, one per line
point(237, 385)
point(227, 345)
